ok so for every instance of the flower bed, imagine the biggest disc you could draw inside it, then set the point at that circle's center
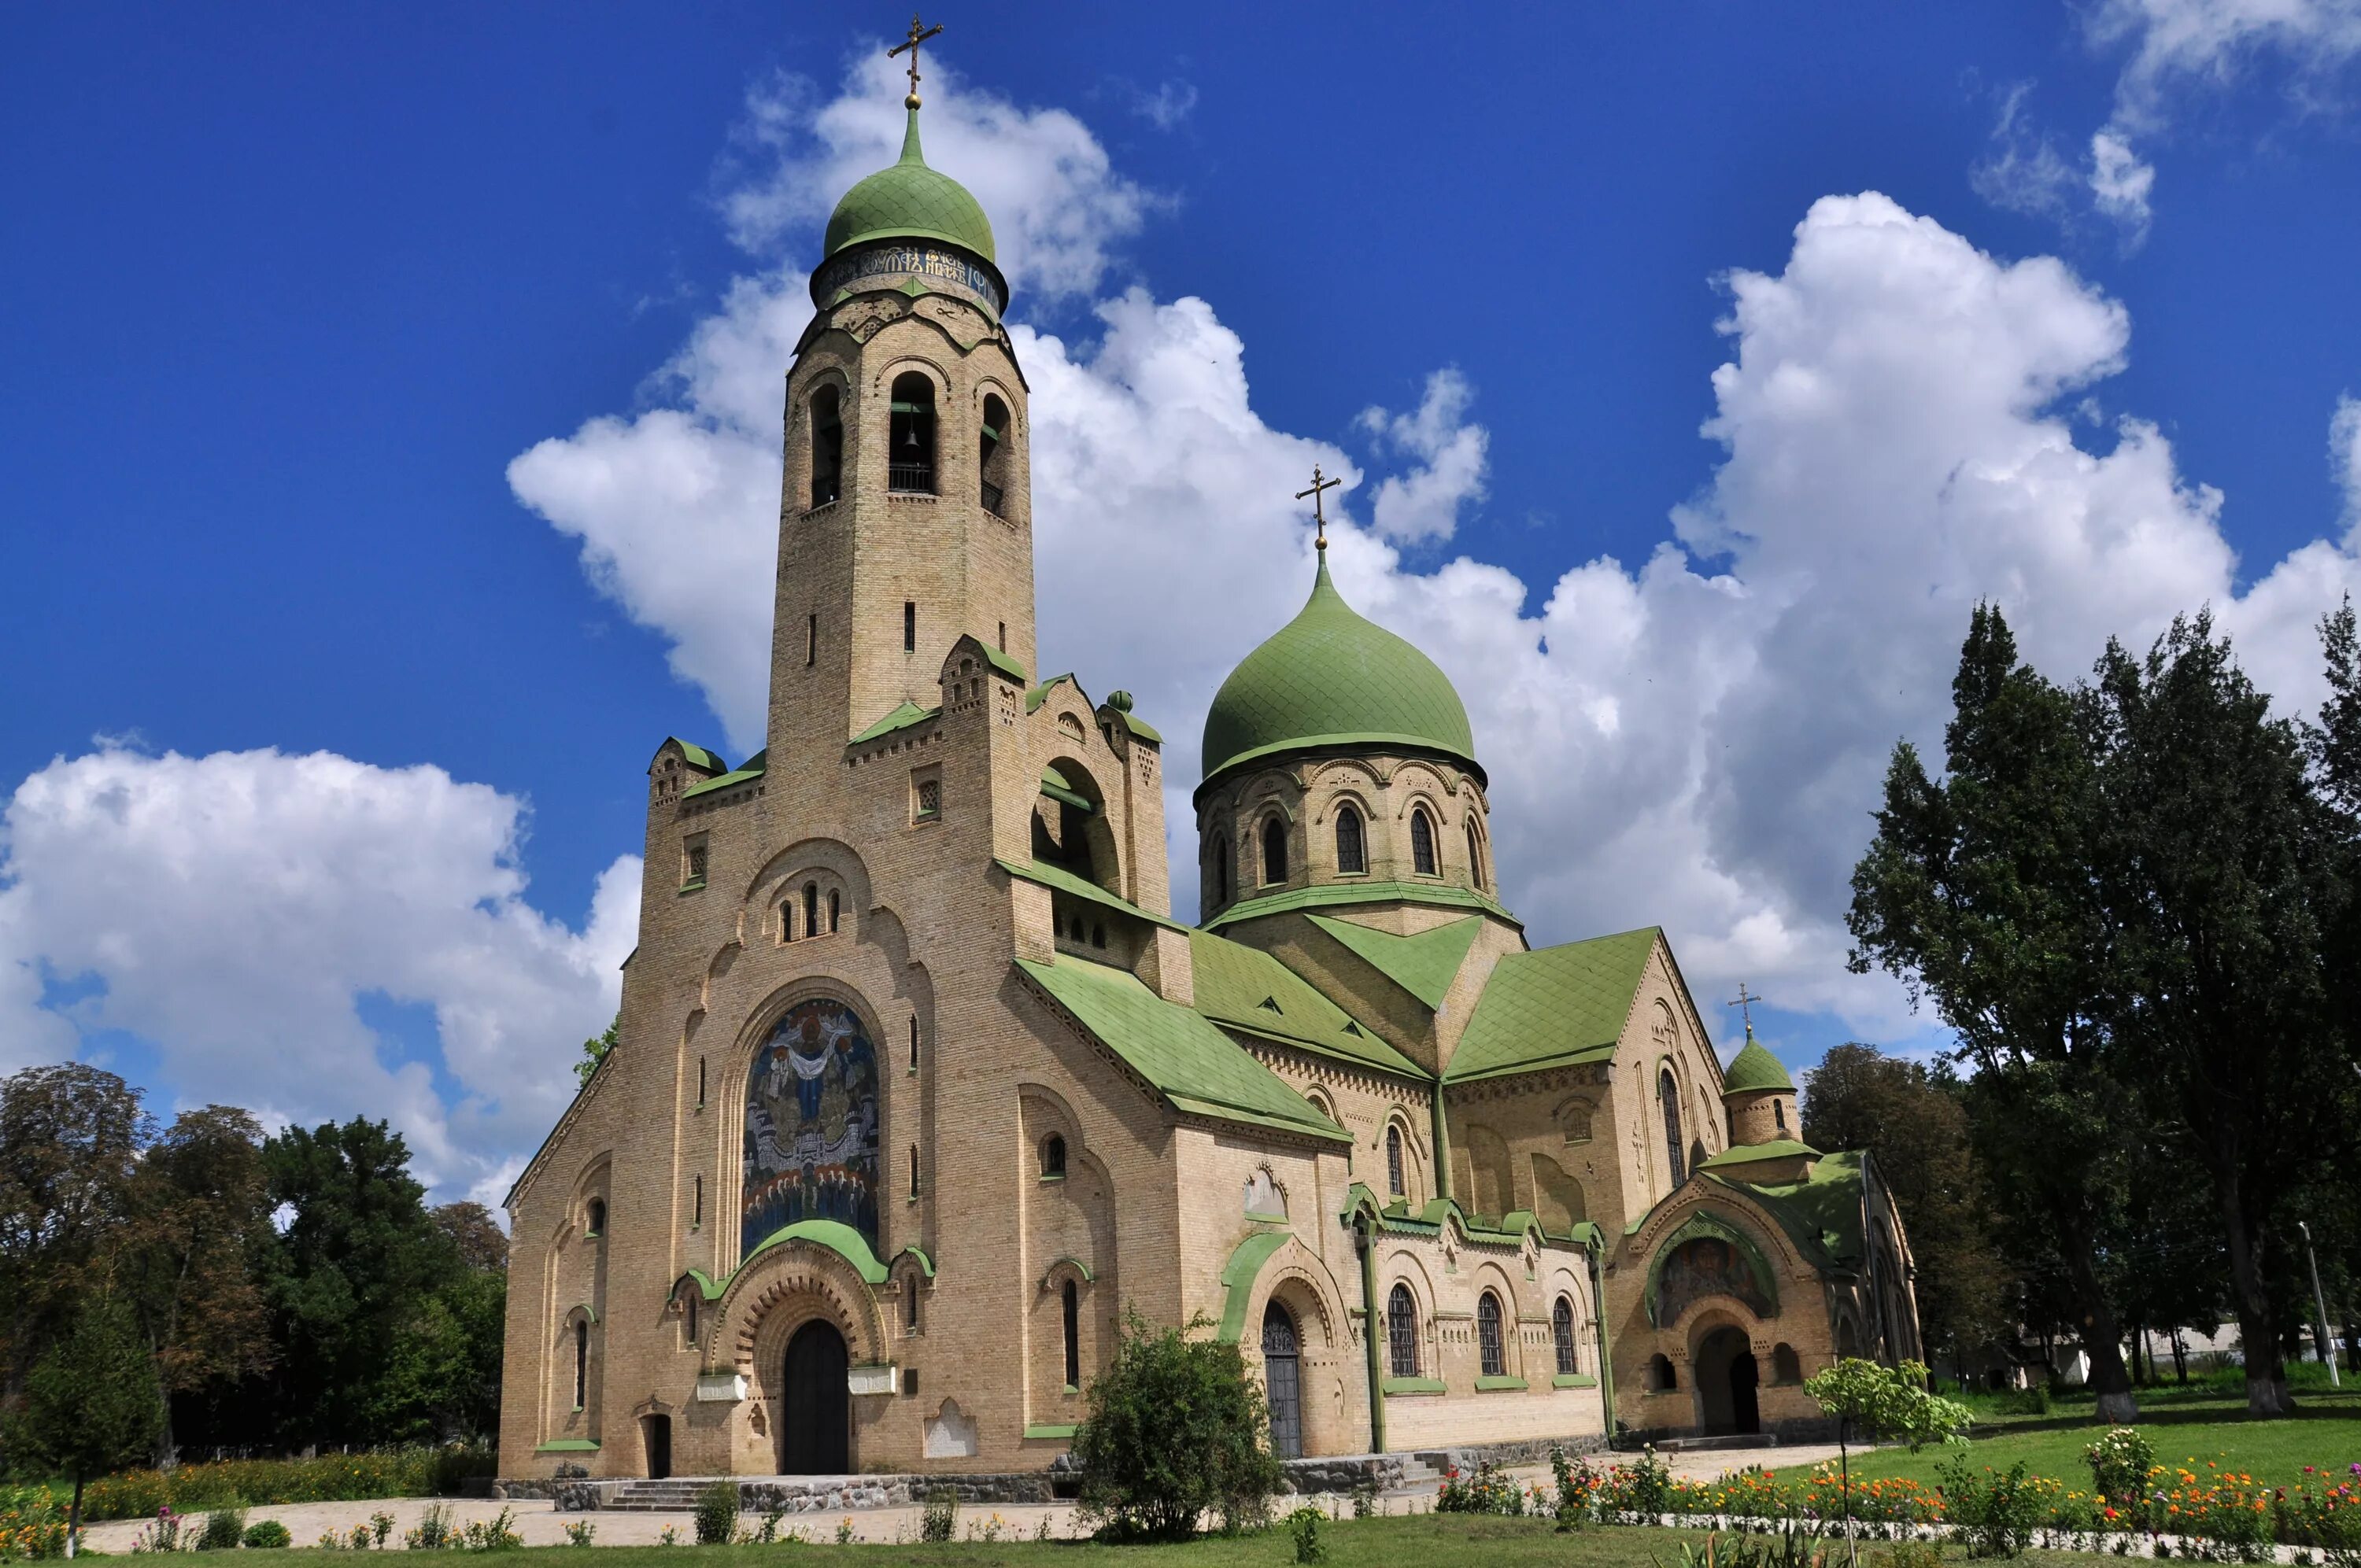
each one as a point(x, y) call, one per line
point(253, 1483)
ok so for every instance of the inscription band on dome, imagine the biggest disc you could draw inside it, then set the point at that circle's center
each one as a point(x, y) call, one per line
point(941, 262)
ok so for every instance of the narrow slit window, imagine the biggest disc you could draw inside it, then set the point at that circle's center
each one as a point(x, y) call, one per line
point(1073, 1304)
point(811, 641)
point(909, 626)
point(696, 1202)
point(811, 909)
point(581, 1362)
point(1394, 1188)
point(1274, 851)
point(835, 909)
point(1221, 870)
point(992, 449)
point(700, 1080)
point(827, 446)
point(914, 1043)
point(1475, 860)
point(913, 1170)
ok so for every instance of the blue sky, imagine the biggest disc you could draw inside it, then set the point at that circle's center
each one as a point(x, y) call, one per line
point(360, 368)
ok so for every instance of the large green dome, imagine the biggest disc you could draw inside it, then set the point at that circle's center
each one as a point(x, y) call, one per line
point(1330, 678)
point(909, 200)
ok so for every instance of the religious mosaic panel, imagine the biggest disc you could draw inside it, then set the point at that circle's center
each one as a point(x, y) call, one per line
point(1708, 1266)
point(811, 1126)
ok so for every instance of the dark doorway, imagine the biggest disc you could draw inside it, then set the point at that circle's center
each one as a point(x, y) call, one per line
point(1282, 1375)
point(658, 1430)
point(1745, 1415)
point(816, 1417)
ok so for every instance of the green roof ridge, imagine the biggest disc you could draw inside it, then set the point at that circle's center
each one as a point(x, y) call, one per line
point(1553, 1005)
point(1331, 676)
point(1195, 1067)
point(1424, 965)
point(1754, 1069)
point(1059, 880)
point(902, 718)
point(1232, 981)
point(1748, 1153)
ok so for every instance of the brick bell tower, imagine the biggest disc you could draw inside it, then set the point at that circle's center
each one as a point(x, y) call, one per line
point(904, 518)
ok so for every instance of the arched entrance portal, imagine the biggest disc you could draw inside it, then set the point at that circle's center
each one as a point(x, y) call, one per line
point(1282, 1375)
point(1726, 1378)
point(815, 1419)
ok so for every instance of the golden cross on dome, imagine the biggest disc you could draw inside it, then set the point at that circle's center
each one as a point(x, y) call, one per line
point(1319, 520)
point(919, 33)
point(1745, 1005)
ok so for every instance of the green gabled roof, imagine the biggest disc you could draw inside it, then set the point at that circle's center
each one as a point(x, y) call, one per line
point(1250, 991)
point(902, 718)
point(1424, 965)
point(1554, 1005)
point(1195, 1067)
point(1752, 1154)
point(1331, 678)
point(1057, 879)
point(699, 757)
point(1822, 1212)
point(1325, 896)
point(1141, 728)
point(1041, 694)
point(999, 659)
point(909, 200)
point(1753, 1069)
point(752, 768)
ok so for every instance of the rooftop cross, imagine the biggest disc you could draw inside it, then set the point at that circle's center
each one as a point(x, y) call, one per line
point(919, 33)
point(1319, 520)
point(1745, 1005)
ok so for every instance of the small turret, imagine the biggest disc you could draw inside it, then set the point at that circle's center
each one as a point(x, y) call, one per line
point(1759, 1097)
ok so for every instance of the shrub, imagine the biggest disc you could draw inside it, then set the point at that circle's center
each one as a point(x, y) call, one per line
point(1304, 1527)
point(259, 1482)
point(1909, 1554)
point(581, 1532)
point(265, 1535)
point(2119, 1463)
point(939, 1522)
point(493, 1534)
point(1485, 1492)
point(1175, 1427)
point(32, 1524)
point(1996, 1517)
point(1364, 1499)
point(717, 1512)
point(224, 1528)
point(432, 1532)
point(1577, 1489)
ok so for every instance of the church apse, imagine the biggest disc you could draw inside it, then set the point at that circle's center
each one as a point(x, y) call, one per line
point(811, 1126)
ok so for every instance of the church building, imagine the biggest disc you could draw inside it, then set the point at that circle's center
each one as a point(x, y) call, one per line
point(919, 1085)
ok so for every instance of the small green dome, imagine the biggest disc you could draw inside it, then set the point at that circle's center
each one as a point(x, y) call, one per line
point(909, 200)
point(1754, 1069)
point(1330, 678)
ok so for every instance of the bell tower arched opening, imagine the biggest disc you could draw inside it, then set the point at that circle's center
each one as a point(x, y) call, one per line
point(910, 432)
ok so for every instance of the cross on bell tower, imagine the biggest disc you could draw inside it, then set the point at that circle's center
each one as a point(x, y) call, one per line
point(1319, 520)
point(919, 33)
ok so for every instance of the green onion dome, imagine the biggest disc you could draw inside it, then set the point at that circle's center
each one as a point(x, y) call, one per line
point(1754, 1069)
point(909, 200)
point(1330, 678)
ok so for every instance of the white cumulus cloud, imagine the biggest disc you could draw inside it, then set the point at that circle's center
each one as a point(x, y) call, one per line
point(236, 911)
point(1423, 504)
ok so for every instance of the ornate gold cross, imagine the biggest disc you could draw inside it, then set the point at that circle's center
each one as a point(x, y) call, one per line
point(919, 33)
point(1745, 1005)
point(1319, 520)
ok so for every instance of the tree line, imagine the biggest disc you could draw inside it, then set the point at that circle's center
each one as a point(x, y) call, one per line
point(286, 1293)
point(2136, 901)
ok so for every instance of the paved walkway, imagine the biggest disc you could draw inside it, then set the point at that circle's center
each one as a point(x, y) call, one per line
point(541, 1525)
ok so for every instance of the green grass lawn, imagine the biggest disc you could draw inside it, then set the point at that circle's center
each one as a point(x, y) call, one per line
point(2191, 1429)
point(1429, 1540)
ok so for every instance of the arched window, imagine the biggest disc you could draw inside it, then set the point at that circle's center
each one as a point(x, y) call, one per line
point(594, 1220)
point(835, 904)
point(1661, 1379)
point(1786, 1366)
point(1098, 936)
point(811, 909)
point(1274, 851)
point(788, 921)
point(1562, 1337)
point(1401, 1333)
point(1394, 1187)
point(1487, 1336)
point(1221, 869)
point(581, 1362)
point(1073, 1336)
point(1350, 856)
point(1779, 1111)
point(1475, 858)
point(911, 466)
point(827, 446)
point(1053, 1156)
point(1669, 1093)
point(993, 448)
point(1422, 842)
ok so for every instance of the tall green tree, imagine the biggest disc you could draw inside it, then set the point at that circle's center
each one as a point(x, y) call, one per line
point(1977, 894)
point(197, 1237)
point(69, 1141)
point(2218, 866)
point(352, 1270)
point(1912, 1122)
point(91, 1403)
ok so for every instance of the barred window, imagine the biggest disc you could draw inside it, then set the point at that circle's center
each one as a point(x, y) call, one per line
point(1394, 1188)
point(1421, 843)
point(1401, 1333)
point(1487, 1336)
point(1561, 1335)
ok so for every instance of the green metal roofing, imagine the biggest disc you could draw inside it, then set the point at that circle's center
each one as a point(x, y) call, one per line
point(999, 659)
point(835, 1235)
point(1195, 1067)
point(1239, 1276)
point(902, 718)
point(1822, 1212)
point(1750, 1154)
point(1057, 879)
point(1054, 785)
point(1554, 1005)
point(1424, 965)
point(1753, 1069)
point(909, 200)
point(1331, 678)
point(753, 769)
point(1338, 894)
point(699, 757)
point(1041, 694)
point(1250, 990)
